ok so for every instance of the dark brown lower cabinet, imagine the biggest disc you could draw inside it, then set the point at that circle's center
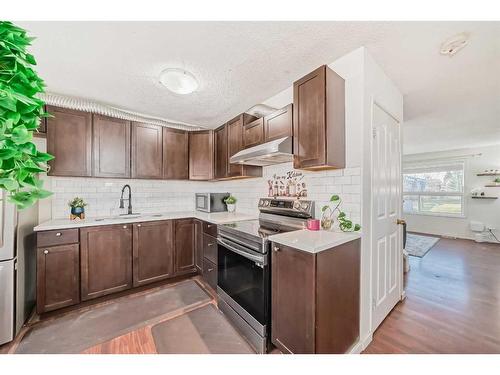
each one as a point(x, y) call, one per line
point(113, 258)
point(315, 299)
point(199, 245)
point(210, 248)
point(153, 252)
point(210, 273)
point(185, 246)
point(58, 277)
point(106, 260)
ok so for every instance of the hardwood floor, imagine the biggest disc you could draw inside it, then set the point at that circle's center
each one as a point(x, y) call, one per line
point(452, 303)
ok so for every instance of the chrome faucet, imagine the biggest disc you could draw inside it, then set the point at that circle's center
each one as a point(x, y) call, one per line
point(129, 199)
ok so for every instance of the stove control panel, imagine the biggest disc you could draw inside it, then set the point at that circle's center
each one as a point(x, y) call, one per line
point(282, 206)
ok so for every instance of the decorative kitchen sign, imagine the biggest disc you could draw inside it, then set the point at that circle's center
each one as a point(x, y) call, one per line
point(291, 184)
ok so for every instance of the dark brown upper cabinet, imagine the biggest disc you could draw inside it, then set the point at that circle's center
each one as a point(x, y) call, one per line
point(111, 147)
point(147, 146)
point(220, 158)
point(69, 139)
point(319, 120)
point(105, 260)
point(175, 154)
point(278, 124)
point(153, 252)
point(253, 133)
point(201, 155)
point(185, 246)
point(235, 144)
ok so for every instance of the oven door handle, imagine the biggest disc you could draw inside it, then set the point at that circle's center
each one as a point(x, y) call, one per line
point(234, 248)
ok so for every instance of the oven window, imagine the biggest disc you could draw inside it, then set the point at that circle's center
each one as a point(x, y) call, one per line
point(243, 281)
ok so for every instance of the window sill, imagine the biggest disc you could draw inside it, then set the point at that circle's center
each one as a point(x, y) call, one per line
point(460, 216)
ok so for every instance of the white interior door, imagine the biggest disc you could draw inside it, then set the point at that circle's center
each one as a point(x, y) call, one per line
point(387, 244)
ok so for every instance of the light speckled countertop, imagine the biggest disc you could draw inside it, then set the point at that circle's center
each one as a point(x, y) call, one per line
point(214, 218)
point(314, 241)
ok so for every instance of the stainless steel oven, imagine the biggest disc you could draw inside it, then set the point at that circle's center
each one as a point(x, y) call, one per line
point(210, 202)
point(244, 269)
point(243, 288)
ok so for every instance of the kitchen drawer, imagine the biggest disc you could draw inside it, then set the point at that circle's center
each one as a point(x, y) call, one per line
point(210, 273)
point(210, 229)
point(57, 237)
point(210, 248)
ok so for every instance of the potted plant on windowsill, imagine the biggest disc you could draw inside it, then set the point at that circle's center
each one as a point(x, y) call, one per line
point(77, 208)
point(230, 203)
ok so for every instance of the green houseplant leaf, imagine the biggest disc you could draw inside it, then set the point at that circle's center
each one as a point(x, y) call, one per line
point(20, 114)
point(345, 224)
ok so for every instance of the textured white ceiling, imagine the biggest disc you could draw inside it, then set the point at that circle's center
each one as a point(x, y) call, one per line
point(449, 102)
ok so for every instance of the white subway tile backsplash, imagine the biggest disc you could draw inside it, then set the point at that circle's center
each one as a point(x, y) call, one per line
point(352, 171)
point(102, 195)
point(344, 180)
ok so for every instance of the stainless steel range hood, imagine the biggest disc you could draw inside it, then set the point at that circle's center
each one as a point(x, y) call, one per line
point(269, 153)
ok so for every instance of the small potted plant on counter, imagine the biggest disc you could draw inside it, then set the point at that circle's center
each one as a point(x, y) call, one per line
point(230, 203)
point(345, 225)
point(77, 208)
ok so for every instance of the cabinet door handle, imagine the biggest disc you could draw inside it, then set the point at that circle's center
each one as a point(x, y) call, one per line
point(124, 227)
point(45, 252)
point(139, 225)
point(210, 269)
point(210, 244)
point(58, 234)
point(276, 248)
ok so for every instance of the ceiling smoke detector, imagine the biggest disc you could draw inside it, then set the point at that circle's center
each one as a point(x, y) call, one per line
point(451, 46)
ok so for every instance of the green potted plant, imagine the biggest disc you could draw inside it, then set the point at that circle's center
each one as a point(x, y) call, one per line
point(345, 224)
point(231, 203)
point(77, 206)
point(20, 114)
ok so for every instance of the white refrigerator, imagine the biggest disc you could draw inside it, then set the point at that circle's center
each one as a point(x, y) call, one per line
point(17, 267)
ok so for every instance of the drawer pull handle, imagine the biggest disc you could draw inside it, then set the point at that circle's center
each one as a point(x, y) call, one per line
point(210, 269)
point(209, 226)
point(124, 227)
point(276, 248)
point(139, 225)
point(58, 234)
point(210, 244)
point(45, 252)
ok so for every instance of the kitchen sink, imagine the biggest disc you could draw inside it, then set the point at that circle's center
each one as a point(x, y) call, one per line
point(127, 216)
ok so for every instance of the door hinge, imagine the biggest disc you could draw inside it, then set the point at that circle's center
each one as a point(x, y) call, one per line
point(374, 132)
point(374, 304)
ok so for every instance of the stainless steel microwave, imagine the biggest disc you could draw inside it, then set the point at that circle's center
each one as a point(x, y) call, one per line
point(211, 202)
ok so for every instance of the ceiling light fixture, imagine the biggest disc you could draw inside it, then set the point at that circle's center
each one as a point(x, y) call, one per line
point(454, 44)
point(178, 81)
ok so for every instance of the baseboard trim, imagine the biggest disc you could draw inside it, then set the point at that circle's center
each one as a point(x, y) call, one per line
point(361, 345)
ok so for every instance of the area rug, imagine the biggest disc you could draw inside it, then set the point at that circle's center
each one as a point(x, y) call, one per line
point(418, 245)
point(79, 330)
point(201, 331)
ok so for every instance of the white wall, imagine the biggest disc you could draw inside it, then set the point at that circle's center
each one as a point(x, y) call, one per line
point(485, 211)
